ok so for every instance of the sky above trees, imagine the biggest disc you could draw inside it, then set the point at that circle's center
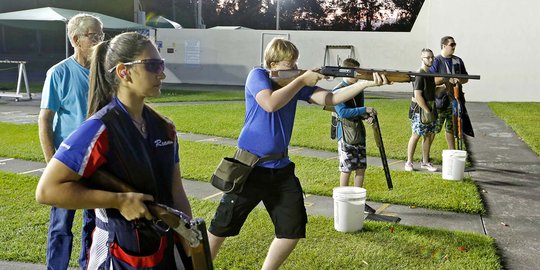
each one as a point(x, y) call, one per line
point(333, 15)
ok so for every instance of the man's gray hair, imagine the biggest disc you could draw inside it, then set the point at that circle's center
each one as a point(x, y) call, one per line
point(79, 23)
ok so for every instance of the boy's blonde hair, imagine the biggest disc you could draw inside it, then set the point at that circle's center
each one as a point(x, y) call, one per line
point(279, 50)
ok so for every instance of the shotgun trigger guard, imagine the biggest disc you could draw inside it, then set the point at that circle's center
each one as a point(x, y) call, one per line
point(160, 225)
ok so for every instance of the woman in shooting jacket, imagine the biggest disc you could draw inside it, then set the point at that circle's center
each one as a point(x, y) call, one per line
point(129, 140)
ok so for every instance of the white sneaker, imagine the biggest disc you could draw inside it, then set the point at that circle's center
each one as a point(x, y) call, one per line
point(428, 166)
point(409, 166)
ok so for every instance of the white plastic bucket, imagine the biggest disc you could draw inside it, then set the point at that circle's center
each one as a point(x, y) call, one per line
point(453, 166)
point(349, 203)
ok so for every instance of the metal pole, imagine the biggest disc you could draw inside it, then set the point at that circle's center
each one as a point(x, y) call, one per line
point(135, 11)
point(4, 48)
point(67, 42)
point(199, 11)
point(277, 15)
point(139, 16)
point(198, 15)
point(174, 10)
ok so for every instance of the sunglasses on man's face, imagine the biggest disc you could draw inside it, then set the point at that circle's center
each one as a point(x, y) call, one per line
point(151, 65)
point(453, 44)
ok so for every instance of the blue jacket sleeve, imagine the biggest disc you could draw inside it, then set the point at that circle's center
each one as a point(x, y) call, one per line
point(435, 66)
point(346, 112)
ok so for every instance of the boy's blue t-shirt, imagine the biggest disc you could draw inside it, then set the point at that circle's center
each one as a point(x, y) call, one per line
point(266, 133)
point(65, 92)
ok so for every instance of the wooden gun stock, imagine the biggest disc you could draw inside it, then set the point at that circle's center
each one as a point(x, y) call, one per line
point(200, 255)
point(284, 77)
point(457, 114)
point(193, 230)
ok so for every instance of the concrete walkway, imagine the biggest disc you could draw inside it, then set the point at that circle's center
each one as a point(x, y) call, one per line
point(507, 171)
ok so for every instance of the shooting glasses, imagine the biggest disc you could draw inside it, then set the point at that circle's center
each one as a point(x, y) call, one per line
point(151, 65)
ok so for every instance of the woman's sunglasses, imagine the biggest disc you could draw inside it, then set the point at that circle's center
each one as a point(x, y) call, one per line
point(151, 65)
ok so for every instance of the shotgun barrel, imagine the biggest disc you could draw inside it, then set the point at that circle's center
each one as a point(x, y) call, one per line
point(380, 145)
point(392, 75)
point(283, 77)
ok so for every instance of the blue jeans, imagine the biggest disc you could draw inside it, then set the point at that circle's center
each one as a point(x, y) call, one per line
point(60, 237)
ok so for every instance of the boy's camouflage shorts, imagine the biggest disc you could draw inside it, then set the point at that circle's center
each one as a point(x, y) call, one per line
point(351, 157)
point(444, 118)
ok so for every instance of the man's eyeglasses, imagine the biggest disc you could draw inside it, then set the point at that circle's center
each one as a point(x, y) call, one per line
point(453, 44)
point(288, 64)
point(94, 36)
point(151, 65)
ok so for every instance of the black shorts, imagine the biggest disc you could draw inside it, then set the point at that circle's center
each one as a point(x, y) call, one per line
point(281, 193)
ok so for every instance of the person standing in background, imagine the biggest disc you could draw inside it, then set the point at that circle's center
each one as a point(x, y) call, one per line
point(63, 109)
point(448, 63)
point(352, 156)
point(127, 139)
point(267, 130)
point(423, 99)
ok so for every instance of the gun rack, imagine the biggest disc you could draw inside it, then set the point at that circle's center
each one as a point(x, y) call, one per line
point(329, 50)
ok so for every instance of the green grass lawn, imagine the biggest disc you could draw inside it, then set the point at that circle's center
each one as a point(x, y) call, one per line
point(20, 141)
point(12, 87)
point(378, 246)
point(312, 126)
point(523, 118)
point(171, 95)
point(318, 176)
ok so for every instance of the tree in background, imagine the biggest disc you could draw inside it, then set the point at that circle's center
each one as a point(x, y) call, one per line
point(302, 14)
point(335, 15)
point(409, 10)
point(370, 11)
point(345, 15)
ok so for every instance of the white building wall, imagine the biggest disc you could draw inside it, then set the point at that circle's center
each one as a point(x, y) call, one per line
point(495, 39)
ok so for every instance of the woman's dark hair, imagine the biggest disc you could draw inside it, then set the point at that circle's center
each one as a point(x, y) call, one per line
point(103, 82)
